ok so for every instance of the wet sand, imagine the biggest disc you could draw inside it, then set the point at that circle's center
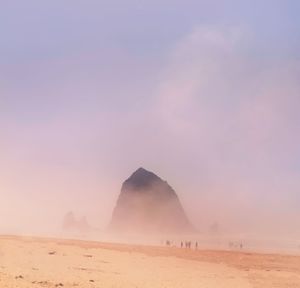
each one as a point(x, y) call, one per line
point(38, 262)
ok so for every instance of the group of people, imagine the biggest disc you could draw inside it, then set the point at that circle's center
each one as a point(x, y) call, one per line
point(188, 244)
point(184, 244)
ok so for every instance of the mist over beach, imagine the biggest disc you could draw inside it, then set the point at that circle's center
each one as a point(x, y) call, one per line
point(167, 124)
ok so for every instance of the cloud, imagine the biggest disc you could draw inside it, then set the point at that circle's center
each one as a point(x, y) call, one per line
point(232, 114)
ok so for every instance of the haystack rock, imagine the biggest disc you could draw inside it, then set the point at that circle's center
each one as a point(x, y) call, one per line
point(147, 204)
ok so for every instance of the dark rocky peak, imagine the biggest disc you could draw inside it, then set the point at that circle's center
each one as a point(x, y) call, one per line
point(148, 204)
point(141, 178)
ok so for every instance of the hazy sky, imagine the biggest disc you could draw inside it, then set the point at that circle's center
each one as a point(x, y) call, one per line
point(204, 93)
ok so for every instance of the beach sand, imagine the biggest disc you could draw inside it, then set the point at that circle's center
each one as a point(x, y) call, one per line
point(39, 262)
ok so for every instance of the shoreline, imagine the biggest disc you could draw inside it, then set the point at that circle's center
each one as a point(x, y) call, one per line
point(123, 245)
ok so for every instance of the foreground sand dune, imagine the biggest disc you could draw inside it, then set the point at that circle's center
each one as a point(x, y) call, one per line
point(33, 262)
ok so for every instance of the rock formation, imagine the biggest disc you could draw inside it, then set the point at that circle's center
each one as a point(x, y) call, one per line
point(70, 223)
point(147, 204)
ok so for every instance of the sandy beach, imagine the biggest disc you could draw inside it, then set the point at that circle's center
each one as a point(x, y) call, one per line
point(40, 262)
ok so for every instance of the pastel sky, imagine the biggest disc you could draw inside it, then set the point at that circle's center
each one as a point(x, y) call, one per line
point(206, 94)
